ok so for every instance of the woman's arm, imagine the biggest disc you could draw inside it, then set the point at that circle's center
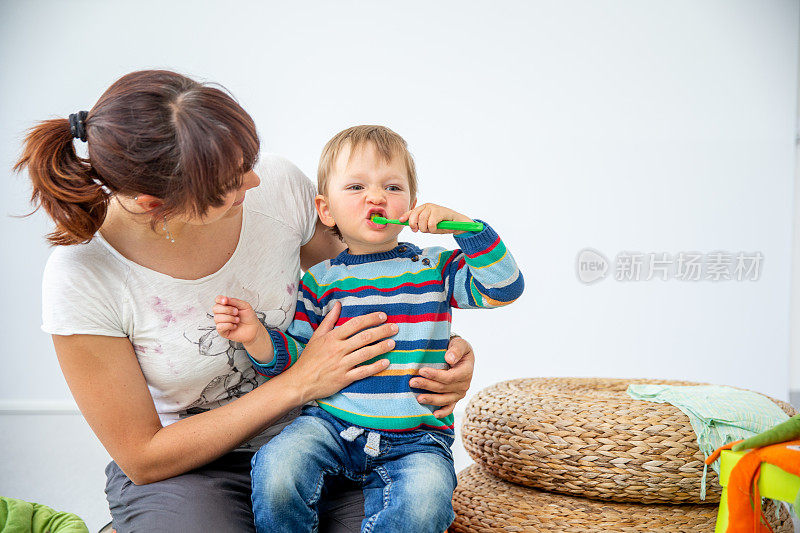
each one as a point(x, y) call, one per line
point(110, 390)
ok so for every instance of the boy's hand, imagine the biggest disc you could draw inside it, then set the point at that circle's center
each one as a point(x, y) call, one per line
point(425, 217)
point(236, 320)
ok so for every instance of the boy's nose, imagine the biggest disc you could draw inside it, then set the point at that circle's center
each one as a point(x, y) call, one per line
point(376, 196)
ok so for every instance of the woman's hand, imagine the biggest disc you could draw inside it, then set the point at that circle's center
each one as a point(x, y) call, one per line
point(330, 360)
point(449, 385)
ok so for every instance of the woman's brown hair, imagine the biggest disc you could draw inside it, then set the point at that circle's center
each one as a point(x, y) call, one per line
point(152, 132)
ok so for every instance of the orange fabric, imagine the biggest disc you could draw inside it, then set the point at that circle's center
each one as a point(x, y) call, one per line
point(744, 500)
point(713, 457)
point(757, 498)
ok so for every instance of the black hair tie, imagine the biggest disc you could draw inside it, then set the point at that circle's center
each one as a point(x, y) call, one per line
point(77, 125)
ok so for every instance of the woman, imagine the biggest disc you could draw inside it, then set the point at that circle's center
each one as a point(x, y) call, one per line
point(165, 213)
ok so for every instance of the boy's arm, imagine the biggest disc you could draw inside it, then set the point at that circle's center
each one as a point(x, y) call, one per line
point(287, 347)
point(482, 274)
point(261, 349)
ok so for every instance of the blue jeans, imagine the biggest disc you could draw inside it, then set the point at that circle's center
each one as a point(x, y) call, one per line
point(408, 486)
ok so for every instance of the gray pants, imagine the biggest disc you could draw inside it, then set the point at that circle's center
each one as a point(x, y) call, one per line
point(216, 498)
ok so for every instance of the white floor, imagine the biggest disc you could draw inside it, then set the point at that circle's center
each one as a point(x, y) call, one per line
point(55, 459)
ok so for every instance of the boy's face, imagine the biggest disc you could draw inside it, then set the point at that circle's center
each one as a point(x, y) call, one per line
point(360, 186)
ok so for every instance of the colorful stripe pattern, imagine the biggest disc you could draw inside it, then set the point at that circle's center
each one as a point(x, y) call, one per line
point(416, 289)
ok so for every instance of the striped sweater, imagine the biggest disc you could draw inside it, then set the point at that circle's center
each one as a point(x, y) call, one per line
point(416, 289)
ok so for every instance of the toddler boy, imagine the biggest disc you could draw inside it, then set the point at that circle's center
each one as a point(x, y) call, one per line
point(373, 431)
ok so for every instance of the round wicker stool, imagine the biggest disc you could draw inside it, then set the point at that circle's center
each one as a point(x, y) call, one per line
point(483, 502)
point(586, 436)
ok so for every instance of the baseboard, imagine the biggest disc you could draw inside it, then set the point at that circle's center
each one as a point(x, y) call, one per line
point(38, 407)
point(794, 398)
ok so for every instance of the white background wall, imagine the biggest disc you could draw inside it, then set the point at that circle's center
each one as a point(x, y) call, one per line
point(661, 126)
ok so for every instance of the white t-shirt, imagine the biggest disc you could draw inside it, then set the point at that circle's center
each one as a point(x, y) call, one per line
point(92, 289)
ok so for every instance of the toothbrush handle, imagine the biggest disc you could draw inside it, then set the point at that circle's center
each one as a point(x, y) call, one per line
point(450, 224)
point(460, 226)
point(446, 224)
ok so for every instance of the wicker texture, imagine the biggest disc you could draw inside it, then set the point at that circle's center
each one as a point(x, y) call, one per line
point(586, 436)
point(485, 503)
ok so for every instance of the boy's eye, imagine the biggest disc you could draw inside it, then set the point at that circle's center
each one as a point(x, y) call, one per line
point(394, 188)
point(354, 187)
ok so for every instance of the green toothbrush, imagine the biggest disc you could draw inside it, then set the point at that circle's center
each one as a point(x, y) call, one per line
point(445, 224)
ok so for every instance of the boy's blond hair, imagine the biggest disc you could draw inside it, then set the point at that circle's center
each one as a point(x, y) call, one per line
point(388, 144)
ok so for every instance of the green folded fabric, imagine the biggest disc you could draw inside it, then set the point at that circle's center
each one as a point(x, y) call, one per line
point(17, 516)
point(718, 414)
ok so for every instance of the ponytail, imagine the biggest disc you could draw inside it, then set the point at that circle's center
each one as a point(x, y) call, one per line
point(63, 183)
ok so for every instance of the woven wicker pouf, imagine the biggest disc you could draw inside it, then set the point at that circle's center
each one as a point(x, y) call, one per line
point(483, 502)
point(586, 436)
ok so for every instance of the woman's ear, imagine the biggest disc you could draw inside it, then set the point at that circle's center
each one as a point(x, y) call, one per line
point(147, 202)
point(324, 211)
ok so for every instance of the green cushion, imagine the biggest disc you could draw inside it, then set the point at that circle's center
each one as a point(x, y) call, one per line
point(17, 516)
